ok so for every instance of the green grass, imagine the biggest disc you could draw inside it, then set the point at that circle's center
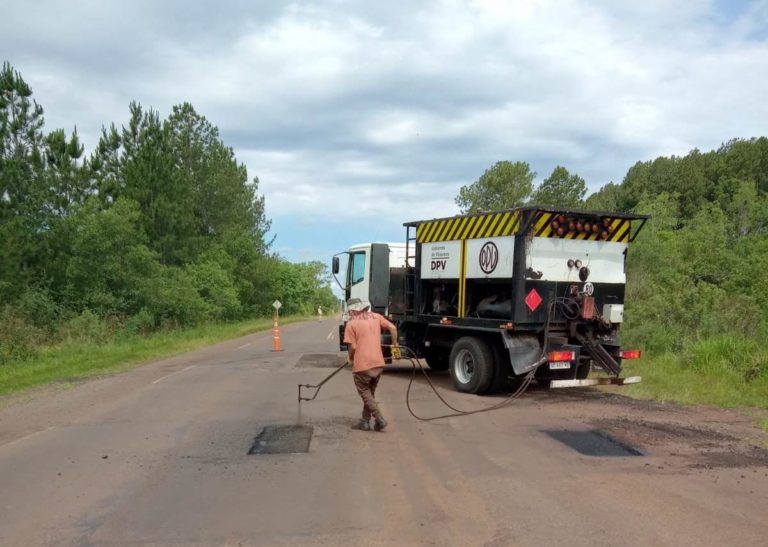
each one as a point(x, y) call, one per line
point(705, 380)
point(77, 361)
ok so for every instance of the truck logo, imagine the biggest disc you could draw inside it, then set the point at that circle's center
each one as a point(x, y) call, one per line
point(439, 265)
point(489, 257)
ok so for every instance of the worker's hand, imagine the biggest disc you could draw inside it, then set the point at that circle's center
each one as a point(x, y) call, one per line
point(396, 352)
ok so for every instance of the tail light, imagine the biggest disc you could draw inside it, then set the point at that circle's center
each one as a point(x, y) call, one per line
point(630, 354)
point(561, 355)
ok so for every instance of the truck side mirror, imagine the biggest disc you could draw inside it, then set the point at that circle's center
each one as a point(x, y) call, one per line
point(335, 265)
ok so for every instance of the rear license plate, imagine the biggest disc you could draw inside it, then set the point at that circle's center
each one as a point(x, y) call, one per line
point(555, 365)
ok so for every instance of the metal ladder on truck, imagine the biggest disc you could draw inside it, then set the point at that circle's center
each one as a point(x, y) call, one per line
point(410, 270)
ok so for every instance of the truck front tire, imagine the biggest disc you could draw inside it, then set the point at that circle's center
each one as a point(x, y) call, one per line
point(471, 365)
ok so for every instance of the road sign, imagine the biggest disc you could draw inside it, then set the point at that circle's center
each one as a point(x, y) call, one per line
point(277, 305)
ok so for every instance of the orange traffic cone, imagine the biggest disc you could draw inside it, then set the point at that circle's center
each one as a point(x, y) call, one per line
point(276, 337)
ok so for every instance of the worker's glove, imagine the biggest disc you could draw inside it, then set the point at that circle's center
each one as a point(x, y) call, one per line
point(396, 353)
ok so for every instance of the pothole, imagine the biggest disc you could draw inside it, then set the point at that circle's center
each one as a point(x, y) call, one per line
point(282, 439)
point(593, 442)
point(321, 360)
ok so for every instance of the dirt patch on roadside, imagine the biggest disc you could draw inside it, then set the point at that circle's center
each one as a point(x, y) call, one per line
point(701, 447)
point(681, 437)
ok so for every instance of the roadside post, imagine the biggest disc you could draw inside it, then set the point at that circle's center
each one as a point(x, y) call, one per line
point(276, 328)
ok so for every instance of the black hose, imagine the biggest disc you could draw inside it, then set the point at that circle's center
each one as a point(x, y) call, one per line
point(457, 411)
point(416, 364)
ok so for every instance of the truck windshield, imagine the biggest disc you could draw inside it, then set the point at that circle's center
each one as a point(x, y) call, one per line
point(357, 268)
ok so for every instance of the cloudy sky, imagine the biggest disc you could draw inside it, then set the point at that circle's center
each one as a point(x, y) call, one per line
point(357, 116)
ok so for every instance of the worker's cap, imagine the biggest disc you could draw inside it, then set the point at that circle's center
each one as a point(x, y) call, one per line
point(356, 304)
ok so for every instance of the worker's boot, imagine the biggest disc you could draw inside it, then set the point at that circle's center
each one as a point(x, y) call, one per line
point(364, 425)
point(379, 423)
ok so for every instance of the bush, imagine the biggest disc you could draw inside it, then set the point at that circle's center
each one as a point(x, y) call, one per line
point(39, 308)
point(87, 327)
point(215, 286)
point(18, 338)
point(142, 323)
point(174, 301)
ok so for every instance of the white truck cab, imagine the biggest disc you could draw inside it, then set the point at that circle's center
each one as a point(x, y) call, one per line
point(360, 268)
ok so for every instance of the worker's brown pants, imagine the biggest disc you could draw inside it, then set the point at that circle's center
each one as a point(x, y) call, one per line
point(366, 382)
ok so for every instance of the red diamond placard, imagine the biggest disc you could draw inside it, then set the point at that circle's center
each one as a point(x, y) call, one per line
point(533, 300)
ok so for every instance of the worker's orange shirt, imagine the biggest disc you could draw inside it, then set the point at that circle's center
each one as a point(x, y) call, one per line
point(364, 331)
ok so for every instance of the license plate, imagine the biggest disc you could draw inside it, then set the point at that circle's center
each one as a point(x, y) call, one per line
point(555, 365)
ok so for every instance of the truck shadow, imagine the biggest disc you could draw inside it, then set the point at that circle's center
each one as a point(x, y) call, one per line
point(534, 392)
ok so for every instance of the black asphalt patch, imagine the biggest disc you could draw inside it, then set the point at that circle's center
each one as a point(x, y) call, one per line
point(321, 360)
point(283, 439)
point(593, 442)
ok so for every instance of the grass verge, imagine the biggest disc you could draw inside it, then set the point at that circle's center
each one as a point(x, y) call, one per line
point(76, 361)
point(666, 379)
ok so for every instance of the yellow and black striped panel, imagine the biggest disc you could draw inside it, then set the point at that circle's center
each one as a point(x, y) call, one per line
point(463, 278)
point(478, 226)
point(542, 227)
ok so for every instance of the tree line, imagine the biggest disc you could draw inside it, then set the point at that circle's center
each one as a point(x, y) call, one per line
point(697, 275)
point(160, 226)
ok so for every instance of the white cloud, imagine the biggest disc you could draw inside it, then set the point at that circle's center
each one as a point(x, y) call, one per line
point(343, 106)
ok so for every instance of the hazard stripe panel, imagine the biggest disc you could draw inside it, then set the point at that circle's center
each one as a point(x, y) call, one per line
point(508, 223)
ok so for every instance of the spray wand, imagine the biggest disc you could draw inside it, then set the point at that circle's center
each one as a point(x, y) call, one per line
point(318, 386)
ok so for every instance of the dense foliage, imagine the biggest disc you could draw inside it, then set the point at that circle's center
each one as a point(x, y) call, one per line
point(697, 290)
point(698, 274)
point(509, 184)
point(159, 227)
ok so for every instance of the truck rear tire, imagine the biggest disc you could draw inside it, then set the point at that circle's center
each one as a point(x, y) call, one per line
point(472, 365)
point(437, 359)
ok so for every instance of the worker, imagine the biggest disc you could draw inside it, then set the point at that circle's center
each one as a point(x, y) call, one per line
point(363, 337)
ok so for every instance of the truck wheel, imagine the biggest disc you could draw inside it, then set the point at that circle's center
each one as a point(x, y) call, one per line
point(436, 359)
point(471, 365)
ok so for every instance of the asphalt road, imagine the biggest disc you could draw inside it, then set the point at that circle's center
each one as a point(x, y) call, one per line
point(158, 456)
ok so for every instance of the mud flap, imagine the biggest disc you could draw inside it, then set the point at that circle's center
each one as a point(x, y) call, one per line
point(524, 351)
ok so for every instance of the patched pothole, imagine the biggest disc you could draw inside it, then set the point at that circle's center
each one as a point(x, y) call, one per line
point(704, 447)
point(282, 439)
point(321, 360)
point(593, 442)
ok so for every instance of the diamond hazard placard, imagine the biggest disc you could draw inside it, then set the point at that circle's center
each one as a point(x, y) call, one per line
point(533, 300)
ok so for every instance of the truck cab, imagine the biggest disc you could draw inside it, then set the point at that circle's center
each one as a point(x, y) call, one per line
point(364, 272)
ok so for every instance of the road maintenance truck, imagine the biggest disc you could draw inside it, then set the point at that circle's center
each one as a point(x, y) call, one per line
point(494, 296)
